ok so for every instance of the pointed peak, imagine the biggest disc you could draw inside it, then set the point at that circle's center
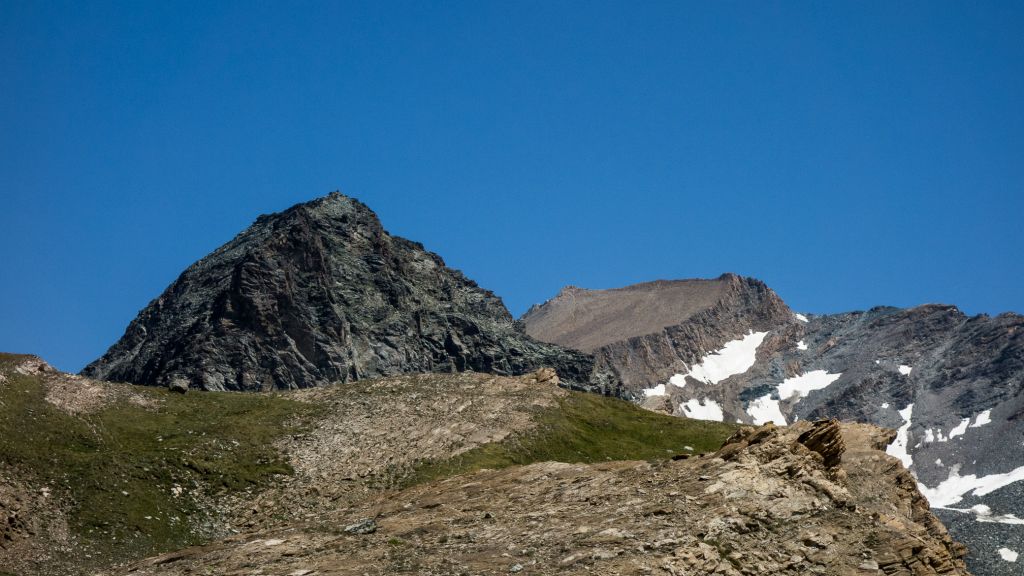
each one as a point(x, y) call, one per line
point(333, 206)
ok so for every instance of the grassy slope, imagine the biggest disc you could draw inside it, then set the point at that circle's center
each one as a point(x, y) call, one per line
point(588, 428)
point(214, 443)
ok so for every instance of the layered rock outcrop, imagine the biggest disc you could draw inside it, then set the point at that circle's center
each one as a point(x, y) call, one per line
point(817, 498)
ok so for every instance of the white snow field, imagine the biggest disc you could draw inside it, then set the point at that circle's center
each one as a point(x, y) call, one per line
point(1007, 554)
point(899, 446)
point(736, 357)
point(982, 419)
point(955, 487)
point(764, 409)
point(703, 410)
point(804, 384)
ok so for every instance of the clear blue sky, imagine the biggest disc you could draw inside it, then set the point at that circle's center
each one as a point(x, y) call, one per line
point(849, 154)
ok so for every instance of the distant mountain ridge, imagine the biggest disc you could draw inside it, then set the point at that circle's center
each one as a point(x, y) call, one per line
point(321, 293)
point(952, 385)
point(588, 319)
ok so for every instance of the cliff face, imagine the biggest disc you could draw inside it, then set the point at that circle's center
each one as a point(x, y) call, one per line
point(322, 293)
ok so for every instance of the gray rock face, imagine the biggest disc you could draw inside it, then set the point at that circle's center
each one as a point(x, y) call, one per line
point(953, 385)
point(322, 293)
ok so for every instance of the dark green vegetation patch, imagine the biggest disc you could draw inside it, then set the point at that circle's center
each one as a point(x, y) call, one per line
point(588, 428)
point(137, 476)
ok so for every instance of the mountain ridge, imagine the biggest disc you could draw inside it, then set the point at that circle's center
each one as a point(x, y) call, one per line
point(953, 384)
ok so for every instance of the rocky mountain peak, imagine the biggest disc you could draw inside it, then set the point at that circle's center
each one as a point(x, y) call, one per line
point(321, 293)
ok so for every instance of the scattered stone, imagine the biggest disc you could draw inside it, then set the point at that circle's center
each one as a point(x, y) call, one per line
point(869, 565)
point(546, 376)
point(365, 526)
point(179, 385)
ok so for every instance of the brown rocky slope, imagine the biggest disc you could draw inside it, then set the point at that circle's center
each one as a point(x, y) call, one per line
point(817, 498)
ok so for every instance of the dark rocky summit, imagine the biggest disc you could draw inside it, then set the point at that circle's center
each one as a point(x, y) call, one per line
point(322, 293)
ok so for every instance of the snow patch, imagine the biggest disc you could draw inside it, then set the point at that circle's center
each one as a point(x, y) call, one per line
point(765, 409)
point(959, 429)
point(705, 410)
point(885, 406)
point(1004, 519)
point(905, 370)
point(934, 436)
point(800, 317)
point(983, 513)
point(801, 345)
point(658, 390)
point(804, 384)
point(982, 419)
point(1007, 554)
point(898, 448)
point(736, 357)
point(952, 489)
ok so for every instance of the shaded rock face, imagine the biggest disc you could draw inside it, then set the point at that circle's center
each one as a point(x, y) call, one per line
point(953, 384)
point(766, 503)
point(322, 293)
point(826, 439)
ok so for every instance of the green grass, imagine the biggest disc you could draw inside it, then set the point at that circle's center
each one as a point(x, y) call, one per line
point(214, 443)
point(587, 428)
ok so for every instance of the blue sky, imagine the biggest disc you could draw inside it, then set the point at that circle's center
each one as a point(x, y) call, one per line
point(849, 154)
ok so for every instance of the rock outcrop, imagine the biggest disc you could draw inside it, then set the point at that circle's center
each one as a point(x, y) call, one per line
point(322, 293)
point(769, 502)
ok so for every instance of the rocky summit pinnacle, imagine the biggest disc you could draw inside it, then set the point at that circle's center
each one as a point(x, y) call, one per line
point(322, 293)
